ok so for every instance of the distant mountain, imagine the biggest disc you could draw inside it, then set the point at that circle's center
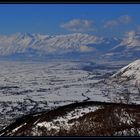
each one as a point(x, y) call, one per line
point(128, 48)
point(25, 45)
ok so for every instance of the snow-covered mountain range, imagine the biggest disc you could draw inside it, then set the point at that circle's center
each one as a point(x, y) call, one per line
point(26, 45)
point(45, 44)
point(128, 48)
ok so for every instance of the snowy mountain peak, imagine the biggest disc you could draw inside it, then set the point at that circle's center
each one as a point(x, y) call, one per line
point(131, 39)
point(127, 48)
point(131, 72)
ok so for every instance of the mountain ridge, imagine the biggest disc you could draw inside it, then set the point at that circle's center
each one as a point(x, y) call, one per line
point(38, 45)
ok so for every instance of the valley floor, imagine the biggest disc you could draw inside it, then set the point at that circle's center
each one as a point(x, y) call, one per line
point(30, 87)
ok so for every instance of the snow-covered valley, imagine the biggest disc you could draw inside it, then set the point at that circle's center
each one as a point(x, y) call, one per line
point(29, 87)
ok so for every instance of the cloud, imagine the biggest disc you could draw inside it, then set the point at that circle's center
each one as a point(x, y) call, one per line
point(110, 23)
point(129, 36)
point(78, 25)
point(125, 19)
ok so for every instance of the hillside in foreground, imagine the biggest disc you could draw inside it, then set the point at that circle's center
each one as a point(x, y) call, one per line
point(80, 119)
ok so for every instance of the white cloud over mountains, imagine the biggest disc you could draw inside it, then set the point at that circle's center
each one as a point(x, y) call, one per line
point(125, 19)
point(78, 25)
point(131, 39)
point(86, 25)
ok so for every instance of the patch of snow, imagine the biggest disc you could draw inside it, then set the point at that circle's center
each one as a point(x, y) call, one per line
point(18, 127)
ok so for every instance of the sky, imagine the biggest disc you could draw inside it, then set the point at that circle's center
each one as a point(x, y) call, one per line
point(54, 19)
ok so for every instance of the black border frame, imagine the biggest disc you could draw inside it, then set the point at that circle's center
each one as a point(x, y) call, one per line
point(69, 2)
